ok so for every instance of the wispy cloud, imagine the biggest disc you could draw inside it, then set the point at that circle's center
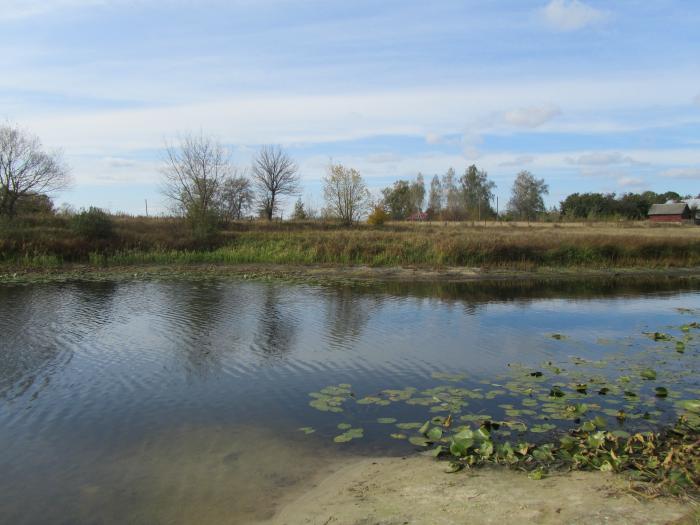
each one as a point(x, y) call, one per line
point(602, 158)
point(18, 9)
point(571, 15)
point(531, 117)
point(521, 160)
point(631, 182)
point(682, 173)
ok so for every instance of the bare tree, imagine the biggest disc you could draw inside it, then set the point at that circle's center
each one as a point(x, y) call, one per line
point(194, 172)
point(347, 196)
point(235, 197)
point(26, 170)
point(275, 175)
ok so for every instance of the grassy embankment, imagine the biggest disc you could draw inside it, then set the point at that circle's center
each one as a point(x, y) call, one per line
point(51, 243)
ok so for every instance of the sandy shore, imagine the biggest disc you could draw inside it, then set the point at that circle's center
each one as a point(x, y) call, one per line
point(416, 490)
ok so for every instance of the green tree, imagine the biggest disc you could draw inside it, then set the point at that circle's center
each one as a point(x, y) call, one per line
point(526, 200)
point(299, 213)
point(435, 196)
point(399, 200)
point(477, 193)
point(418, 192)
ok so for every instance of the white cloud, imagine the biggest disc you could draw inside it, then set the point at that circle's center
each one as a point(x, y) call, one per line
point(18, 9)
point(682, 173)
point(571, 15)
point(383, 158)
point(433, 138)
point(602, 158)
point(631, 182)
point(517, 161)
point(531, 117)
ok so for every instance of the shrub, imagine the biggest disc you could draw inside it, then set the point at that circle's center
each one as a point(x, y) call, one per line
point(378, 216)
point(93, 223)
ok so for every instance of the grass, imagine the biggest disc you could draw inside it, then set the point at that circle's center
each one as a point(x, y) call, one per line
point(50, 243)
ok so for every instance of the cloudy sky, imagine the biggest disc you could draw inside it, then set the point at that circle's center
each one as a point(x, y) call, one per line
point(590, 95)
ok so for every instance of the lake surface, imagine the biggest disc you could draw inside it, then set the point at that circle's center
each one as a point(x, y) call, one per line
point(181, 401)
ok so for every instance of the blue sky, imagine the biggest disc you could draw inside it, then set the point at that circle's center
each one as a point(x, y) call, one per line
point(590, 95)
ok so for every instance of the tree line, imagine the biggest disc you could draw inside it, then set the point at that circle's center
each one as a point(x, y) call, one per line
point(202, 184)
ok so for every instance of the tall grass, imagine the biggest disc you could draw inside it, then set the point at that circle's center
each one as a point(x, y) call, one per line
point(140, 241)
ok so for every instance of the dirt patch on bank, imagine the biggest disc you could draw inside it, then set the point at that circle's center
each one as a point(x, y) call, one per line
point(416, 490)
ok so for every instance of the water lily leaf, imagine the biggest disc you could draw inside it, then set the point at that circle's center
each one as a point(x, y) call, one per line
point(648, 374)
point(386, 420)
point(661, 391)
point(342, 438)
point(398, 435)
point(419, 441)
point(408, 426)
point(424, 428)
point(307, 430)
point(434, 434)
point(344, 426)
point(691, 405)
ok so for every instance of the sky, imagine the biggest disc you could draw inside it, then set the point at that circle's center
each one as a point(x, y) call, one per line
point(589, 95)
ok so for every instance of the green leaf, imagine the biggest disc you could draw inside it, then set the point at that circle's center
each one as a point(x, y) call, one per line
point(648, 374)
point(424, 428)
point(386, 420)
point(434, 434)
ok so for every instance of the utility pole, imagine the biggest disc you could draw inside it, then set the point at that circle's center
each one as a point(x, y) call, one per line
point(146, 200)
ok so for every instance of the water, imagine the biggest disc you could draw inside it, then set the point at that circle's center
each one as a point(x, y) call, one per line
point(180, 401)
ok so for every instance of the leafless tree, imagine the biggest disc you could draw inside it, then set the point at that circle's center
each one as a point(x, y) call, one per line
point(235, 197)
point(347, 196)
point(275, 175)
point(26, 170)
point(194, 171)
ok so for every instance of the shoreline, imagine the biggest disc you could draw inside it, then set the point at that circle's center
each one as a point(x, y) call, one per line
point(415, 489)
point(333, 273)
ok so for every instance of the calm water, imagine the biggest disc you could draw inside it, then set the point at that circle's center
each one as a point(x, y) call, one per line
point(180, 401)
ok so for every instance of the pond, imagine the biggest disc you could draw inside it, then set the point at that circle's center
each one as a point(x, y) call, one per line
point(211, 400)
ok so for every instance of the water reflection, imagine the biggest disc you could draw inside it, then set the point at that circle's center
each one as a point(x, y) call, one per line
point(277, 324)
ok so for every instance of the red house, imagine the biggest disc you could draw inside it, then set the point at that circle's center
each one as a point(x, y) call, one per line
point(676, 212)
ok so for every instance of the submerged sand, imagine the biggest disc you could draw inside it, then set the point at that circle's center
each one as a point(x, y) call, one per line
point(416, 490)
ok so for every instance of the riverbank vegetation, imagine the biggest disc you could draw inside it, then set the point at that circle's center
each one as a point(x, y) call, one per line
point(101, 239)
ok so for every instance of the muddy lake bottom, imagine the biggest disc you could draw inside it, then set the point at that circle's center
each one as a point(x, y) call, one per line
point(223, 400)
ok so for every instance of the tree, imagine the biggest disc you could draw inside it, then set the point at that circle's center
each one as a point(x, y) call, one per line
point(275, 175)
point(451, 195)
point(26, 170)
point(418, 192)
point(194, 172)
point(399, 200)
point(235, 197)
point(299, 211)
point(526, 199)
point(346, 194)
point(435, 196)
point(477, 192)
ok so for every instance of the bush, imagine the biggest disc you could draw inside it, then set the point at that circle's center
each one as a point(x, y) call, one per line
point(93, 224)
point(378, 216)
